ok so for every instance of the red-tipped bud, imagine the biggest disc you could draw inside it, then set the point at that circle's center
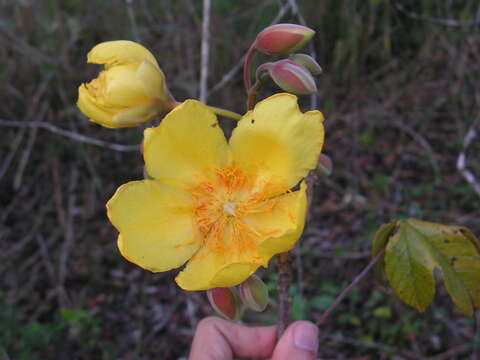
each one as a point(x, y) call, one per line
point(307, 62)
point(283, 38)
point(325, 164)
point(254, 293)
point(225, 302)
point(292, 77)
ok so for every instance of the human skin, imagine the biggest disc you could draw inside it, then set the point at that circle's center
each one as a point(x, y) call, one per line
point(217, 339)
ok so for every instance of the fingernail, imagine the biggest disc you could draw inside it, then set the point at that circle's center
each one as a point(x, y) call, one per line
point(305, 337)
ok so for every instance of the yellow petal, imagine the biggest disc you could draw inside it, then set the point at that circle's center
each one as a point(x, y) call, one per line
point(277, 141)
point(152, 80)
point(137, 115)
point(117, 52)
point(209, 269)
point(156, 224)
point(186, 145)
point(285, 222)
point(122, 88)
point(96, 112)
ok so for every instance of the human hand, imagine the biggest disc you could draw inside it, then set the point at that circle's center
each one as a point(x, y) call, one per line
point(217, 339)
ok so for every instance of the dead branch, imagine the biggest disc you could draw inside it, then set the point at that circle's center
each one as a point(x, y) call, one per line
point(14, 147)
point(69, 134)
point(17, 181)
point(205, 50)
point(424, 143)
point(462, 157)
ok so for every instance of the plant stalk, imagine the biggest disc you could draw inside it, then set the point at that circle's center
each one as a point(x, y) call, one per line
point(224, 112)
point(216, 110)
point(247, 67)
point(349, 288)
point(285, 277)
point(252, 95)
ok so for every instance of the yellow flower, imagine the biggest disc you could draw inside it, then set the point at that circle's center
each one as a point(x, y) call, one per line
point(130, 91)
point(227, 207)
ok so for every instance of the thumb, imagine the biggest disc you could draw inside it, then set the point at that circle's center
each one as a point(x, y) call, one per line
point(299, 342)
point(217, 339)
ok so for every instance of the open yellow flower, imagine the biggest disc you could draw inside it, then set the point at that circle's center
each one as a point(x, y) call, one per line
point(227, 207)
point(130, 91)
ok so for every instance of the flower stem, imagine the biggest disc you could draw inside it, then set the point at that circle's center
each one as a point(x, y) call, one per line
point(252, 95)
point(226, 113)
point(285, 277)
point(247, 67)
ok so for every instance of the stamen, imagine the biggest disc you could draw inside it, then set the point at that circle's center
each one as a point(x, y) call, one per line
point(223, 204)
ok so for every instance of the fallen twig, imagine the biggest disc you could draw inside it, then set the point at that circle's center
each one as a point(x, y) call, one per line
point(69, 134)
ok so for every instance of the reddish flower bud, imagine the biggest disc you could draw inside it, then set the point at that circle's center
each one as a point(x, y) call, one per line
point(283, 38)
point(307, 62)
point(225, 302)
point(292, 77)
point(254, 293)
point(325, 164)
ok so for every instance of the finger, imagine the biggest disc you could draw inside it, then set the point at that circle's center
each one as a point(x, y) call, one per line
point(299, 342)
point(217, 339)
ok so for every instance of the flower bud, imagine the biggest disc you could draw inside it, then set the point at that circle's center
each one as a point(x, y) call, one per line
point(283, 38)
point(254, 293)
point(130, 91)
point(292, 77)
point(307, 62)
point(325, 164)
point(225, 302)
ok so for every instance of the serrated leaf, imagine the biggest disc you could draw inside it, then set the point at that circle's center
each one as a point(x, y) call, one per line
point(418, 248)
point(379, 243)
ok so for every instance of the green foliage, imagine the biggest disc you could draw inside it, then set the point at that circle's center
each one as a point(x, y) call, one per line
point(415, 249)
point(378, 244)
point(41, 337)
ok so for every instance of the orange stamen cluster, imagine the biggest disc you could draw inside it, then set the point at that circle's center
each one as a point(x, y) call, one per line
point(221, 206)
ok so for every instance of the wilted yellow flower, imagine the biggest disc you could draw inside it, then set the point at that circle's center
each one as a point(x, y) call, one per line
point(130, 91)
point(227, 207)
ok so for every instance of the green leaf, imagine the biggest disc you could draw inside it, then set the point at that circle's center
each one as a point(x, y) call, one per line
point(378, 244)
point(418, 248)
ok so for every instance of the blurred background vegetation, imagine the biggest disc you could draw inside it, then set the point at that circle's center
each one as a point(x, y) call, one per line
point(400, 91)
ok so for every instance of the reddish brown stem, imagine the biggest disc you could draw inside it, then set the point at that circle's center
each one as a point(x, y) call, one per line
point(247, 68)
point(252, 99)
point(285, 277)
point(252, 95)
point(349, 288)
